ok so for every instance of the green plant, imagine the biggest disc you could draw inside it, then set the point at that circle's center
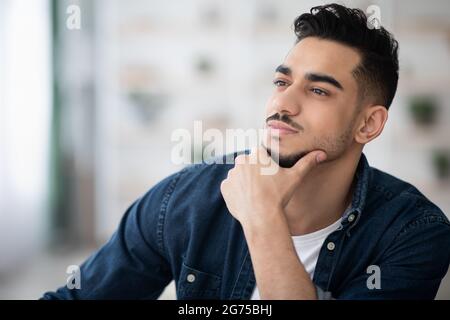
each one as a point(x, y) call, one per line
point(423, 110)
point(441, 164)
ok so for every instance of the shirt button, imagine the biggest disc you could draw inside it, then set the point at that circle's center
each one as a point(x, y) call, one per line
point(190, 278)
point(351, 217)
point(331, 246)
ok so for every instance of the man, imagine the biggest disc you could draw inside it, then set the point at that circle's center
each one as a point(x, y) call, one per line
point(326, 225)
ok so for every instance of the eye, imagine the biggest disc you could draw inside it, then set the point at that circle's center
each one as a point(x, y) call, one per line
point(279, 83)
point(319, 92)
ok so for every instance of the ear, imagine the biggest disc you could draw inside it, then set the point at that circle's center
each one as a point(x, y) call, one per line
point(371, 123)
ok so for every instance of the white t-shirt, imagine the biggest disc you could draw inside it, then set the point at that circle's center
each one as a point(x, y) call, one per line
point(308, 247)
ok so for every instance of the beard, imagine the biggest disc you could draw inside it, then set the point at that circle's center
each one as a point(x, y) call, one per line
point(334, 146)
point(286, 161)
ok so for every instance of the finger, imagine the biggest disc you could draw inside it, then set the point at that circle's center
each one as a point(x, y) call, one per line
point(308, 162)
point(253, 153)
point(222, 185)
point(259, 155)
point(240, 159)
point(262, 153)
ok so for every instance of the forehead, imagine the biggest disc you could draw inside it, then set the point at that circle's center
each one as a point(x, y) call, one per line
point(324, 56)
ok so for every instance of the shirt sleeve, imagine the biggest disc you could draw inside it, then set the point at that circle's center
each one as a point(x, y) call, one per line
point(132, 264)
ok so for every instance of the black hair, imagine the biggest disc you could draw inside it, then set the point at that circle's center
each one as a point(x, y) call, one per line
point(377, 74)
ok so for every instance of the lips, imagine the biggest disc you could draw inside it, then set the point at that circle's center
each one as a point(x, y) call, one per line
point(282, 127)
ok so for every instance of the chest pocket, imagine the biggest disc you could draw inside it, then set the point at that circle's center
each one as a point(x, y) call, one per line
point(196, 284)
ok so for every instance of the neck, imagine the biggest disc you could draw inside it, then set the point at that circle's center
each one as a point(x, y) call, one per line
point(324, 194)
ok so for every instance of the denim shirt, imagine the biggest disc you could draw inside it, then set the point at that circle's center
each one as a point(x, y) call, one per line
point(393, 243)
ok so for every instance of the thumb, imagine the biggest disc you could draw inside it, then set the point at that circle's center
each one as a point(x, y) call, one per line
point(307, 162)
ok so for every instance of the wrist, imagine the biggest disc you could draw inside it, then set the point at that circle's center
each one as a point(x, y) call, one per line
point(268, 224)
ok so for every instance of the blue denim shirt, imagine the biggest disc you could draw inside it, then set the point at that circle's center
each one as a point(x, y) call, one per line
point(182, 230)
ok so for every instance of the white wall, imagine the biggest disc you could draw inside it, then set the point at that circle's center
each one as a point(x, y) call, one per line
point(25, 98)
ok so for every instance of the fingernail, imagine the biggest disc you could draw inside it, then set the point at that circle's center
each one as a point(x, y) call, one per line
point(321, 157)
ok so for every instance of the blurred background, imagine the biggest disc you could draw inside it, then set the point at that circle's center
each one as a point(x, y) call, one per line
point(87, 110)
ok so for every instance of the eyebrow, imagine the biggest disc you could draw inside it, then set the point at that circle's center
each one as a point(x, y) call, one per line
point(314, 77)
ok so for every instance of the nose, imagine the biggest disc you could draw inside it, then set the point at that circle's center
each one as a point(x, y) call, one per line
point(287, 102)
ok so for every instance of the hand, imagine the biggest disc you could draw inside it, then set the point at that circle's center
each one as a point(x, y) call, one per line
point(253, 198)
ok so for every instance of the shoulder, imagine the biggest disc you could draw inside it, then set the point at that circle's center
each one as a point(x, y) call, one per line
point(405, 208)
point(400, 194)
point(206, 176)
point(193, 189)
point(194, 178)
point(411, 230)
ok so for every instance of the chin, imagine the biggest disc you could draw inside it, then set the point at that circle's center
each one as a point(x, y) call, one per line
point(286, 160)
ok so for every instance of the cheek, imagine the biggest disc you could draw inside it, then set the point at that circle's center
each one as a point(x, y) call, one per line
point(269, 108)
point(325, 121)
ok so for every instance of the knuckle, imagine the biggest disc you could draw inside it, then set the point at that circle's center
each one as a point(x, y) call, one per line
point(223, 185)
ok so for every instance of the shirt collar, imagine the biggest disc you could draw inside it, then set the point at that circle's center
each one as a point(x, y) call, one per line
point(360, 190)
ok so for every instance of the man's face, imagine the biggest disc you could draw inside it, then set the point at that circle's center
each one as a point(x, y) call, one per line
point(316, 94)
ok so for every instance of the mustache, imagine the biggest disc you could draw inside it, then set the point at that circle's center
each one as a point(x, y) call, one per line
point(286, 119)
